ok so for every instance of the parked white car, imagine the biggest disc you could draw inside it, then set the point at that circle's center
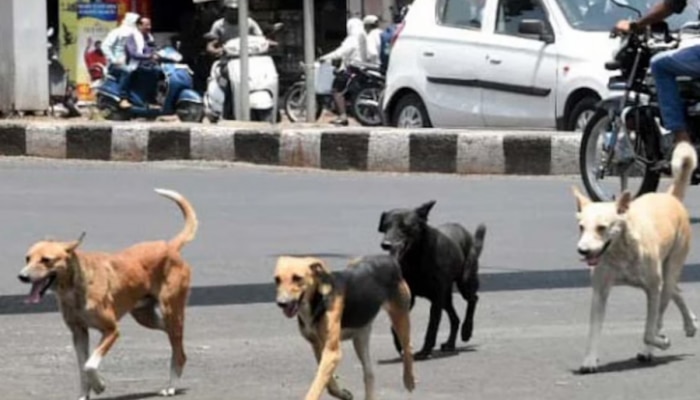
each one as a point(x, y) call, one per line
point(503, 63)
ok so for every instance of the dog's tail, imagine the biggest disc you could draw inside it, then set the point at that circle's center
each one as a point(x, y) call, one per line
point(472, 264)
point(187, 233)
point(683, 163)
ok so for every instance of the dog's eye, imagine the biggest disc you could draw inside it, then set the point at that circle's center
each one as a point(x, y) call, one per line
point(580, 228)
point(277, 280)
point(297, 278)
point(46, 260)
point(26, 259)
point(601, 228)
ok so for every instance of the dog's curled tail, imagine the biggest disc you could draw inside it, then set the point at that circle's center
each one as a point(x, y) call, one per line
point(479, 236)
point(187, 233)
point(683, 163)
point(472, 265)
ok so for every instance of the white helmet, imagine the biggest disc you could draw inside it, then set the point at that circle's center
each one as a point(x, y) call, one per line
point(370, 20)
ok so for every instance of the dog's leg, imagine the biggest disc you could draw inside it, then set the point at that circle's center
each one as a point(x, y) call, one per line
point(469, 291)
point(449, 345)
point(81, 344)
point(173, 308)
point(329, 333)
point(690, 322)
point(601, 289)
point(401, 323)
point(651, 336)
point(109, 336)
point(397, 342)
point(334, 388)
point(647, 353)
point(436, 308)
point(361, 344)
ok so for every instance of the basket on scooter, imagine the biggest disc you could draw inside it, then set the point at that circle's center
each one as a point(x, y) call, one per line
point(324, 75)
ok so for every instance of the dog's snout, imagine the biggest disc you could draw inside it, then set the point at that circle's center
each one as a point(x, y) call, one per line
point(281, 304)
point(386, 245)
point(24, 278)
point(583, 252)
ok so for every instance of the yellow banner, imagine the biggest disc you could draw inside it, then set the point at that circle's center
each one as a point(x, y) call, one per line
point(94, 22)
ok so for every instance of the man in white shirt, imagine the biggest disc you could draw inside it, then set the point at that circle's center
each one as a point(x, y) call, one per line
point(374, 38)
point(352, 50)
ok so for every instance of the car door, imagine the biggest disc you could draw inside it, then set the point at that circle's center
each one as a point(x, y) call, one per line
point(452, 61)
point(520, 68)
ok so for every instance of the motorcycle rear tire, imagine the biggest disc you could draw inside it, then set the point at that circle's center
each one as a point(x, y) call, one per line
point(296, 89)
point(650, 180)
point(190, 112)
point(357, 112)
point(110, 109)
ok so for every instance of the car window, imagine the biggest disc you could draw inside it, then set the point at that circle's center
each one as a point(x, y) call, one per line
point(460, 13)
point(511, 12)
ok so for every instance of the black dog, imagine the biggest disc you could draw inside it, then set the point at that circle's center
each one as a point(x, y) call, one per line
point(432, 260)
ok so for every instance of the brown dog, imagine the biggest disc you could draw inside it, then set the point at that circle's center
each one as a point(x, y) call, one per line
point(95, 290)
point(341, 305)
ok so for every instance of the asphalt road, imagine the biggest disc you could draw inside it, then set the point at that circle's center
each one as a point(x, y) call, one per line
point(530, 327)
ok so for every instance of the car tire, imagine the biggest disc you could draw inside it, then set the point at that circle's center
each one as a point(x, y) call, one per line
point(410, 112)
point(581, 113)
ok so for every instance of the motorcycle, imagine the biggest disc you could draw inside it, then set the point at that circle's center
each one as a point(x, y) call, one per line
point(362, 96)
point(163, 89)
point(61, 90)
point(632, 116)
point(263, 83)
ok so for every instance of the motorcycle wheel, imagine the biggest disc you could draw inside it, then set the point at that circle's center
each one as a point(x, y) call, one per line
point(110, 109)
point(295, 103)
point(190, 112)
point(366, 107)
point(636, 176)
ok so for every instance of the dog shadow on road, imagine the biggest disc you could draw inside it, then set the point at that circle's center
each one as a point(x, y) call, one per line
point(142, 396)
point(633, 363)
point(436, 355)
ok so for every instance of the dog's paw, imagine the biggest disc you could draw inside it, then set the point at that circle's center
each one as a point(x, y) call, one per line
point(96, 383)
point(409, 382)
point(589, 366)
point(645, 358)
point(660, 342)
point(344, 394)
point(422, 355)
point(692, 328)
point(448, 347)
point(167, 392)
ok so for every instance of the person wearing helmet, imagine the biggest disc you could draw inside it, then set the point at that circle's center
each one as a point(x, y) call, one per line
point(374, 38)
point(226, 28)
point(353, 50)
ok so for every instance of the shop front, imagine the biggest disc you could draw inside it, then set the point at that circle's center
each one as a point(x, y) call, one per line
point(82, 24)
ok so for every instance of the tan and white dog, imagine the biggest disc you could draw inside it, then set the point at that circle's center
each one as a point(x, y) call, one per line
point(642, 243)
point(95, 290)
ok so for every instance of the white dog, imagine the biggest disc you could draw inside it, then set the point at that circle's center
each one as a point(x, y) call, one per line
point(642, 243)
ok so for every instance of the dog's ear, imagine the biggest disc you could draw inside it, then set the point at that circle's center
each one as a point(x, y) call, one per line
point(382, 219)
point(424, 209)
point(324, 279)
point(581, 200)
point(71, 246)
point(623, 203)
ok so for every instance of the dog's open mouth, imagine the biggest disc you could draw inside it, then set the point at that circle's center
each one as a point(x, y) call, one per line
point(290, 309)
point(591, 260)
point(39, 288)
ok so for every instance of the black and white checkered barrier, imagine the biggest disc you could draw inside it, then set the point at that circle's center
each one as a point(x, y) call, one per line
point(361, 149)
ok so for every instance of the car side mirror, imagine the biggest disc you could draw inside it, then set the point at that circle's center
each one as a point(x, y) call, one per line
point(537, 29)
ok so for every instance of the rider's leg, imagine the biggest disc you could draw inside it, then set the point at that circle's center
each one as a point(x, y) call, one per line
point(123, 85)
point(340, 84)
point(665, 67)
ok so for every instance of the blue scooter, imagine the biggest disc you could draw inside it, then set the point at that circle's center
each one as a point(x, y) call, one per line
point(164, 89)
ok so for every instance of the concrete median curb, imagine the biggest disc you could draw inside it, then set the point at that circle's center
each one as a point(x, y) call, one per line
point(362, 149)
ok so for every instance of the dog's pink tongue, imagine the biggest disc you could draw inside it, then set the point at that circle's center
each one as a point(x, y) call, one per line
point(35, 294)
point(290, 311)
point(592, 262)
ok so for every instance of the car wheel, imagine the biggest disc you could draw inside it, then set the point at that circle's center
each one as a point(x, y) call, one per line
point(581, 113)
point(410, 112)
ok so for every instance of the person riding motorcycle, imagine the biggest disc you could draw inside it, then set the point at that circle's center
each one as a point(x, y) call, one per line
point(114, 49)
point(665, 67)
point(352, 50)
point(374, 38)
point(223, 30)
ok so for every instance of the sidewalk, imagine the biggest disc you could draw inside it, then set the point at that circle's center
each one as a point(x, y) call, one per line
point(300, 145)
